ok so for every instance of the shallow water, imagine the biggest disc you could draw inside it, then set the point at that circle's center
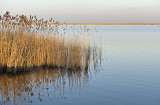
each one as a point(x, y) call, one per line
point(128, 75)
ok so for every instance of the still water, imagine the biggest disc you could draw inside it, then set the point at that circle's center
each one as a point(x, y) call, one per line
point(129, 74)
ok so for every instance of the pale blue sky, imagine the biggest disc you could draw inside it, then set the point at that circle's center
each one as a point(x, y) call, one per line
point(87, 11)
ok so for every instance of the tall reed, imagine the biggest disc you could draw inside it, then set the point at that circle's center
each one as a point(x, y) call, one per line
point(29, 43)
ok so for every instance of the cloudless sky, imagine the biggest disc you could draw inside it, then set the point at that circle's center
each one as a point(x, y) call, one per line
point(87, 11)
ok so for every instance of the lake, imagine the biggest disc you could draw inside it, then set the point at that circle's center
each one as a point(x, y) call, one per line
point(129, 73)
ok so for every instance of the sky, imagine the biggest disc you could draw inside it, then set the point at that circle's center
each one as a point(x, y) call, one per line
point(87, 11)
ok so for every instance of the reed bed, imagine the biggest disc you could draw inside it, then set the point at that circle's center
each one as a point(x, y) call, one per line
point(25, 46)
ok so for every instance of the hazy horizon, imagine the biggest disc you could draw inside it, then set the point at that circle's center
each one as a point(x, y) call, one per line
point(87, 11)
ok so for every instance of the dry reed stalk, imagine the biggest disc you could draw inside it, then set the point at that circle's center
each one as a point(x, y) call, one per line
point(29, 46)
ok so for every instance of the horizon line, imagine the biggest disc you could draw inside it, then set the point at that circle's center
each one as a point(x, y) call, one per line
point(93, 24)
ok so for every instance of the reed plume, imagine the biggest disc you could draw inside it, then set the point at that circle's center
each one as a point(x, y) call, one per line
point(25, 46)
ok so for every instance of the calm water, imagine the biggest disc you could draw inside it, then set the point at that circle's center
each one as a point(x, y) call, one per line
point(128, 75)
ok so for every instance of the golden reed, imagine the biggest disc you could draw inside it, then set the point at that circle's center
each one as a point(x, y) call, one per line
point(29, 43)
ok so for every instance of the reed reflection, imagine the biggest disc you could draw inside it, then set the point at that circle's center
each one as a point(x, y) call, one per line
point(27, 87)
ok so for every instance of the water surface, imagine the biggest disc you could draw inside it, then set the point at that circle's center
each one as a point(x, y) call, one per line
point(129, 73)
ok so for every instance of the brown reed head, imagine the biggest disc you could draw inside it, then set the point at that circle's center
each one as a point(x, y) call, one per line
point(27, 43)
point(22, 19)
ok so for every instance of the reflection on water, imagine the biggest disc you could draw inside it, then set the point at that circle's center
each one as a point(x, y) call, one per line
point(40, 84)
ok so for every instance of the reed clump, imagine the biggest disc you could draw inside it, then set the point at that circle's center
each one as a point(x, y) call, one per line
point(30, 43)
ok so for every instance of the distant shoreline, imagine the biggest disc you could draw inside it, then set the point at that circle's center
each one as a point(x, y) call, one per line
point(95, 24)
point(114, 24)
